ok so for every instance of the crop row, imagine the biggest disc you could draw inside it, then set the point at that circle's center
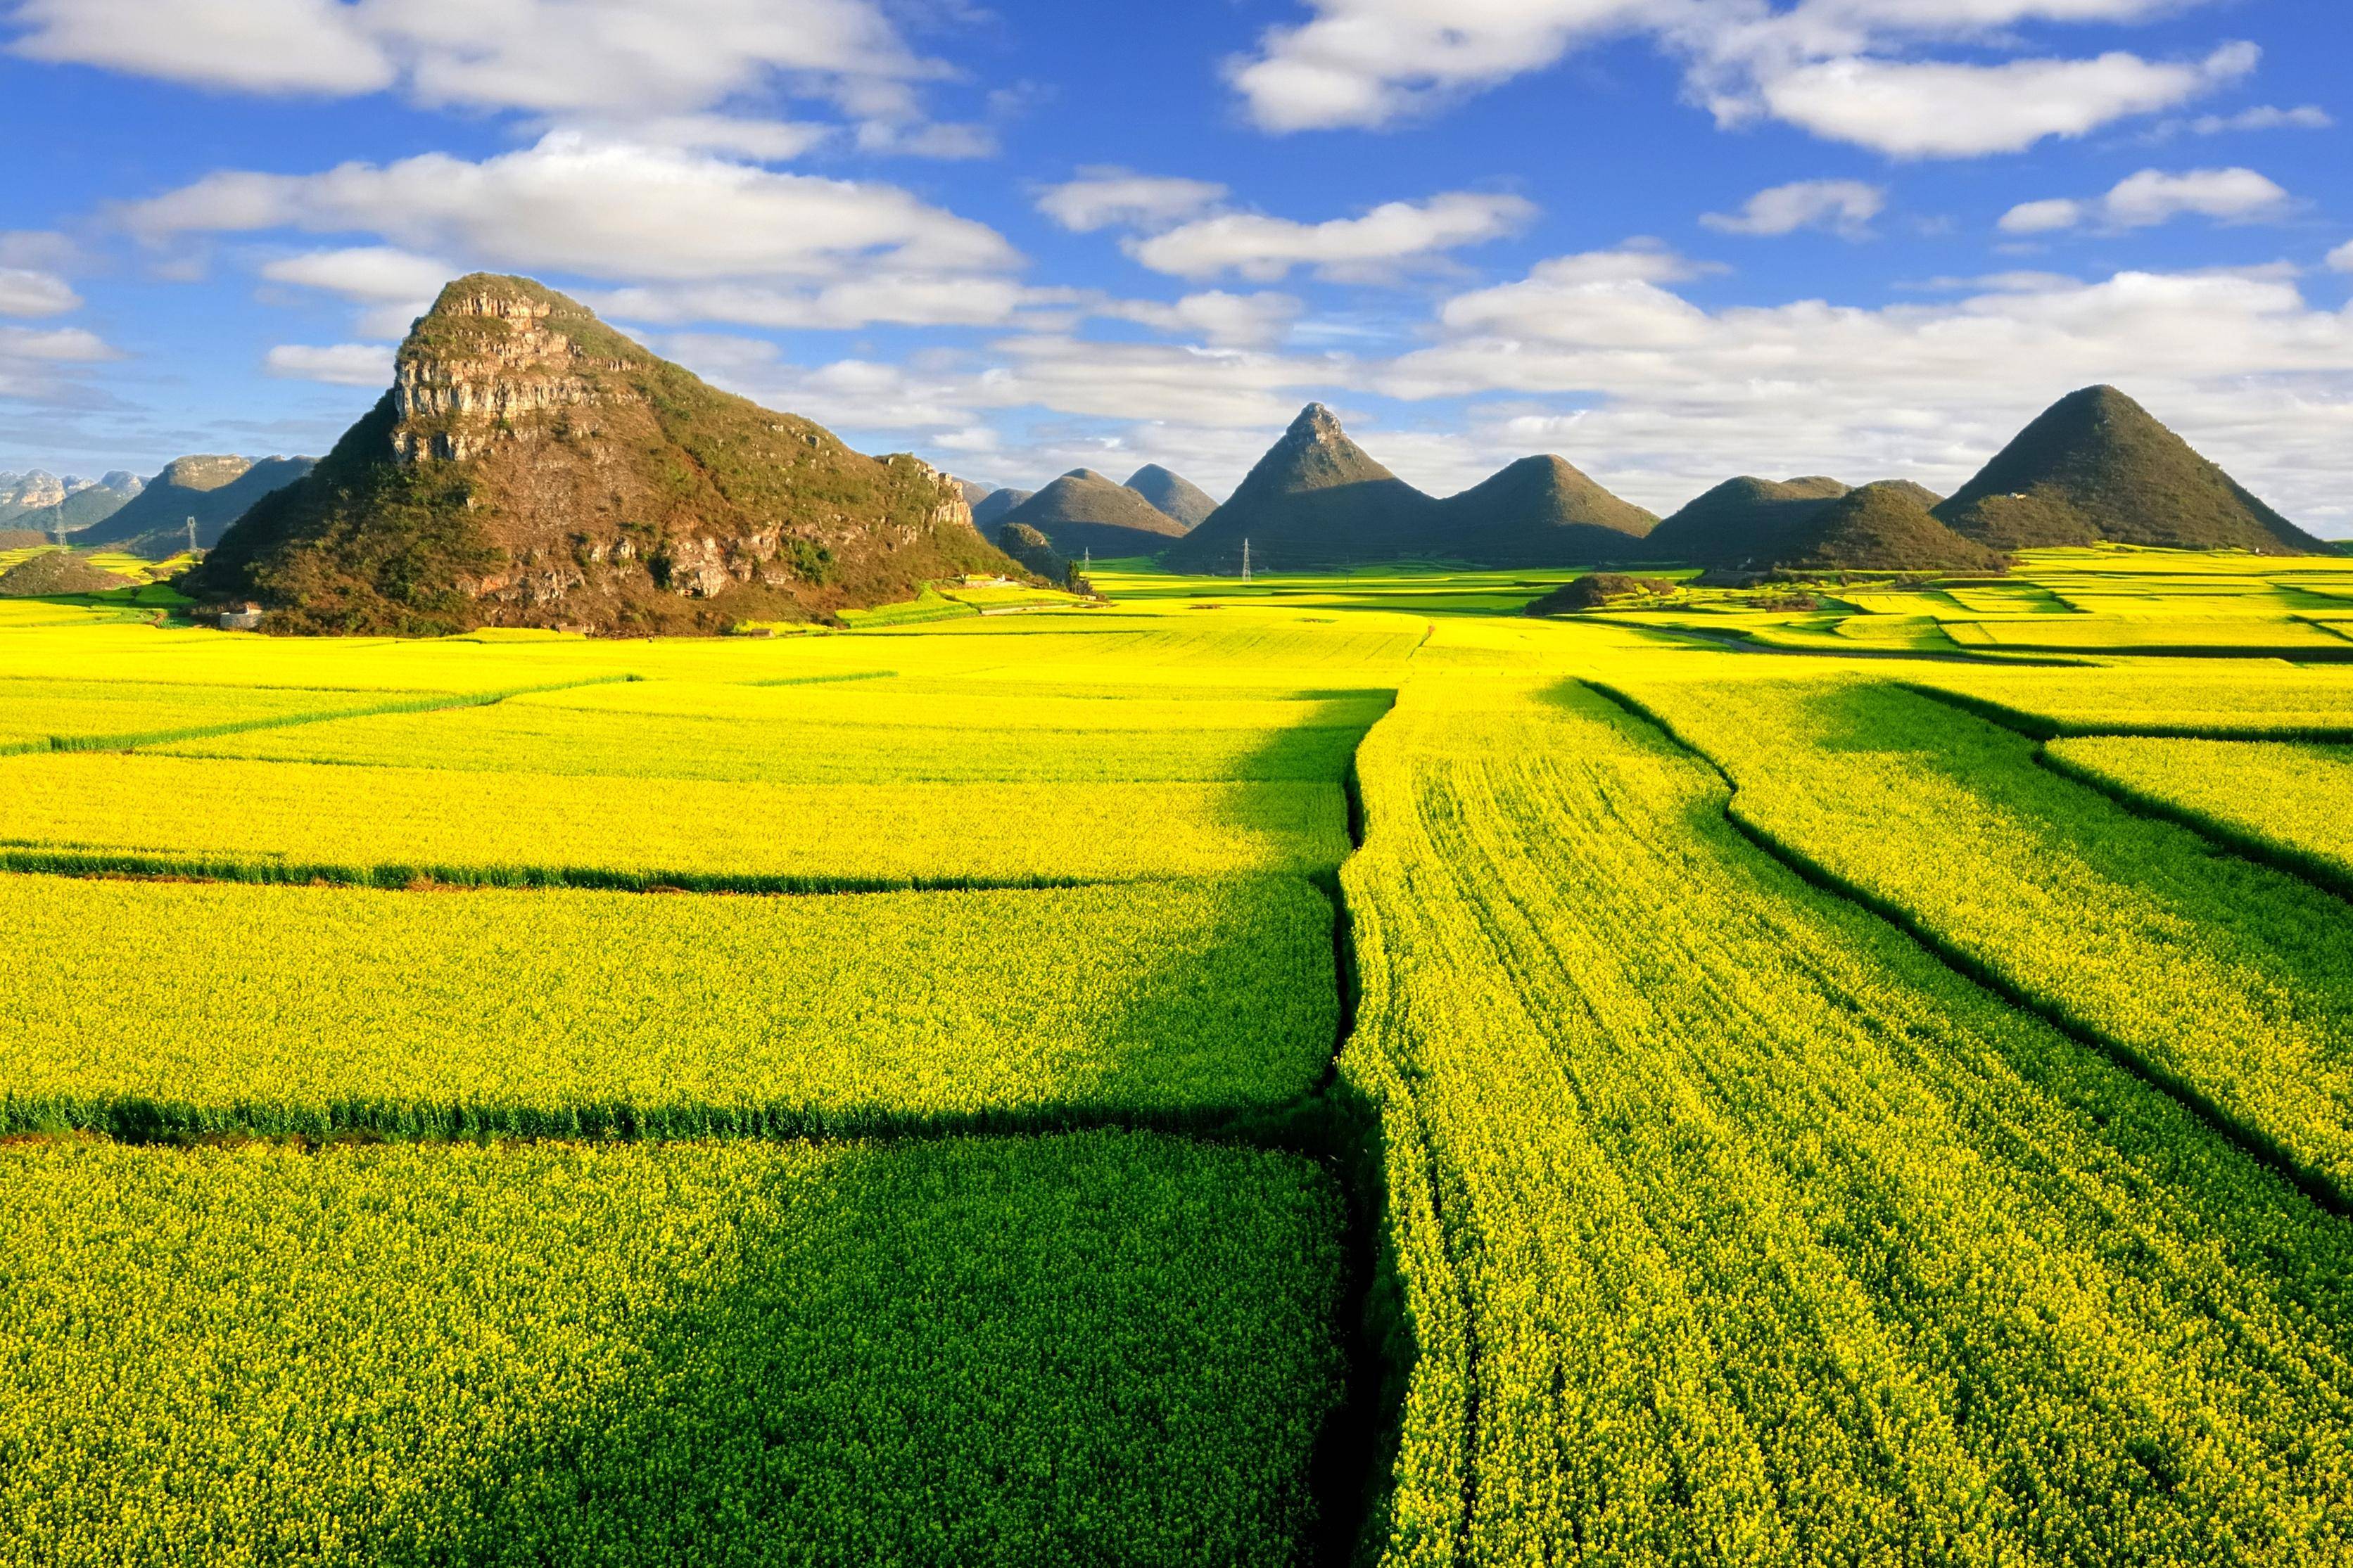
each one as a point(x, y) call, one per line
point(2231, 982)
point(162, 1007)
point(296, 821)
point(2276, 800)
point(2252, 701)
point(1085, 1349)
point(1735, 1227)
point(851, 734)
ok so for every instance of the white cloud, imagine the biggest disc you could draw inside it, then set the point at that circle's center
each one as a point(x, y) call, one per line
point(2153, 196)
point(1833, 67)
point(1391, 236)
point(26, 292)
point(1369, 62)
point(601, 209)
point(1682, 396)
point(54, 345)
point(2264, 117)
point(1843, 206)
point(252, 46)
point(664, 66)
point(2341, 259)
point(901, 300)
point(1934, 109)
point(338, 364)
point(2042, 217)
point(1239, 320)
point(37, 365)
point(1101, 197)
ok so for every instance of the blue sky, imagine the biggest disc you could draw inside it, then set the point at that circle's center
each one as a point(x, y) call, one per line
point(1670, 239)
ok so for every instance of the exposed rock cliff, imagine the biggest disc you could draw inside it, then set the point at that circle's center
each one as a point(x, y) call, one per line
point(532, 467)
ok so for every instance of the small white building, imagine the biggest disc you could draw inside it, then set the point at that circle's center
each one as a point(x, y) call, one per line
point(245, 617)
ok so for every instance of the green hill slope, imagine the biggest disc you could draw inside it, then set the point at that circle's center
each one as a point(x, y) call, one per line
point(1172, 494)
point(1882, 528)
point(1316, 499)
point(1542, 511)
point(1742, 522)
point(2096, 466)
point(1084, 511)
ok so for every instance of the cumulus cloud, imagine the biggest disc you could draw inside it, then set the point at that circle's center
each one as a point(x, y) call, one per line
point(2152, 197)
point(337, 365)
point(1679, 397)
point(1102, 197)
point(1393, 236)
point(37, 364)
point(1938, 109)
point(1843, 206)
point(914, 300)
point(27, 292)
point(601, 209)
point(2341, 259)
point(1244, 321)
point(664, 66)
point(1836, 67)
point(2264, 117)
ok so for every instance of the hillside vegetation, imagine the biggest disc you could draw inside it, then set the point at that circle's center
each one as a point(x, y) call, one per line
point(2096, 466)
point(532, 467)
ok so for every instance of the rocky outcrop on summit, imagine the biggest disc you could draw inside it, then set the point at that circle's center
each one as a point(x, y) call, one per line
point(1542, 511)
point(213, 490)
point(1316, 499)
point(532, 467)
point(1084, 512)
point(1172, 494)
point(2096, 466)
point(29, 491)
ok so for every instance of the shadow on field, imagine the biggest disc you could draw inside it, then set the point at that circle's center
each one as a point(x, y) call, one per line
point(1110, 1348)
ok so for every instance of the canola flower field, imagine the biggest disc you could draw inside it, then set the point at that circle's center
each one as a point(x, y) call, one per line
point(1330, 1070)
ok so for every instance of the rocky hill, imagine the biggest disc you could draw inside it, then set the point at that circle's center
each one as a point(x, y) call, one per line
point(1741, 523)
point(1172, 494)
point(1541, 511)
point(1882, 528)
point(1084, 511)
point(532, 467)
point(1033, 549)
point(86, 504)
point(30, 491)
point(214, 488)
point(1316, 499)
point(2096, 466)
point(56, 571)
point(991, 507)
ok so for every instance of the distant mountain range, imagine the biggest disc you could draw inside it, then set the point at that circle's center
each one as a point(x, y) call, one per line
point(529, 466)
point(213, 491)
point(45, 503)
point(2094, 467)
point(1317, 498)
point(1083, 512)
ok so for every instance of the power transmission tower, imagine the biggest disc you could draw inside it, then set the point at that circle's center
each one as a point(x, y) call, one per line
point(1245, 560)
point(191, 536)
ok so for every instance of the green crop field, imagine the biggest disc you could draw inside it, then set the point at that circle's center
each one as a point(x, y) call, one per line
point(1330, 1070)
